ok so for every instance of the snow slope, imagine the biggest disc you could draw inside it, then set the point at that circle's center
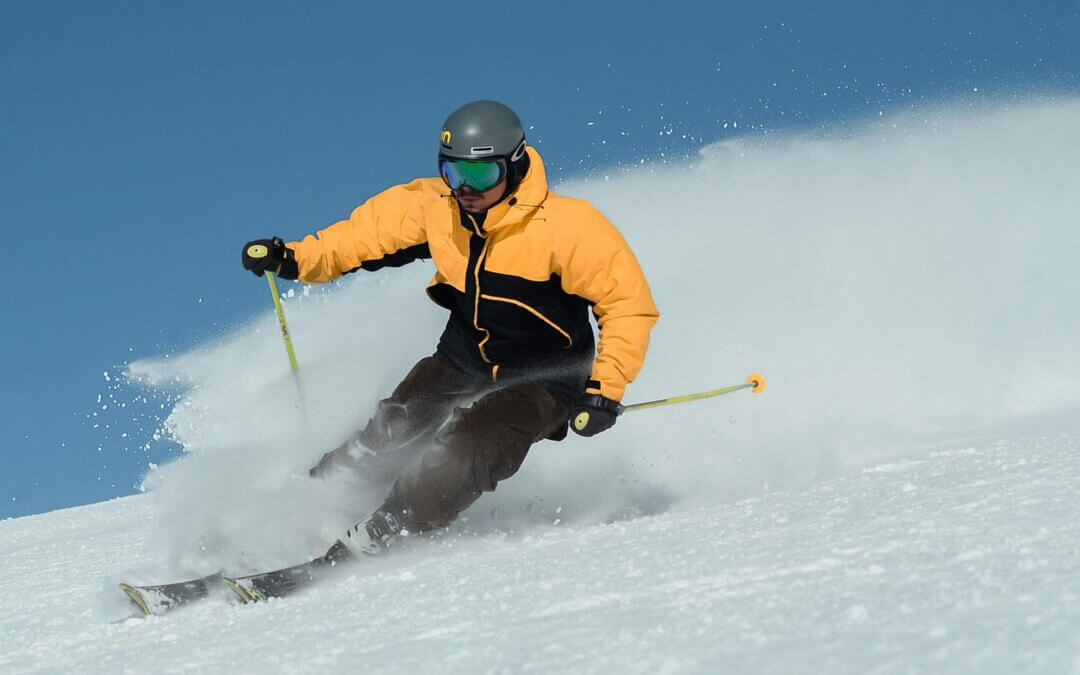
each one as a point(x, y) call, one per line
point(902, 497)
point(901, 283)
point(965, 559)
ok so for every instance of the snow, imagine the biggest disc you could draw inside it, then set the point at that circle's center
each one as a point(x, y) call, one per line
point(902, 498)
point(977, 569)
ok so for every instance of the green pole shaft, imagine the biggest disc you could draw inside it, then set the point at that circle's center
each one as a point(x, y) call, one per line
point(755, 383)
point(689, 397)
point(281, 320)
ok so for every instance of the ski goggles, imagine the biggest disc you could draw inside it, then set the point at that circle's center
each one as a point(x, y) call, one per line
point(479, 175)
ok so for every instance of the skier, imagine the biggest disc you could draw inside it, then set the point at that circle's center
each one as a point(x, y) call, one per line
point(519, 268)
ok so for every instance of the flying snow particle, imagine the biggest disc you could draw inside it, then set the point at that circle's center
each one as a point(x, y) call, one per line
point(858, 612)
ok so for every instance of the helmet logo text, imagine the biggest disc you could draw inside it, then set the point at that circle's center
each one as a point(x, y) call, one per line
point(446, 136)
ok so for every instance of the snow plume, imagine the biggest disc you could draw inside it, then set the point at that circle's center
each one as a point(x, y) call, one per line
point(900, 283)
point(241, 497)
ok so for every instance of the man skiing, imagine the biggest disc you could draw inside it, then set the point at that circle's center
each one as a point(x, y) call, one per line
point(519, 268)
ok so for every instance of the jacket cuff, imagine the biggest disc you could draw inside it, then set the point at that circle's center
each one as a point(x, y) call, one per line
point(289, 269)
point(607, 389)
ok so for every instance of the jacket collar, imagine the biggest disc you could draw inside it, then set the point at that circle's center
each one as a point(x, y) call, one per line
point(523, 201)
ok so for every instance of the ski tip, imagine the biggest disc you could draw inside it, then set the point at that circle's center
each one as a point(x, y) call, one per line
point(756, 382)
point(137, 598)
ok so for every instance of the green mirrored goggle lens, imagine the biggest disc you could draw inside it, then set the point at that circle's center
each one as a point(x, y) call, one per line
point(480, 176)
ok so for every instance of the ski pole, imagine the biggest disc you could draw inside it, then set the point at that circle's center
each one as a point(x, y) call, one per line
point(755, 383)
point(281, 320)
point(261, 251)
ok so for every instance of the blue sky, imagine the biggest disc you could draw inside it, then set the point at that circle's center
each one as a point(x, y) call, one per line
point(142, 143)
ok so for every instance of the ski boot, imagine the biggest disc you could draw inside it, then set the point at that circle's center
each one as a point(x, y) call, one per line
point(380, 530)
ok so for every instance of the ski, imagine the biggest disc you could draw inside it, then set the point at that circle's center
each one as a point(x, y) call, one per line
point(283, 582)
point(160, 598)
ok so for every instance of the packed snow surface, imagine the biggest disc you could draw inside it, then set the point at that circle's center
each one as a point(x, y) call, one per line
point(902, 497)
point(963, 559)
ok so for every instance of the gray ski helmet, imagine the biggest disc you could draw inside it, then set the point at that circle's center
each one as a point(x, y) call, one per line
point(486, 130)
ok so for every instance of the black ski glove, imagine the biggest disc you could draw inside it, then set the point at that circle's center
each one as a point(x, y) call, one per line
point(594, 413)
point(270, 255)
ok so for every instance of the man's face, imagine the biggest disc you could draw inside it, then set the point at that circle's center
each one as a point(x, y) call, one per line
point(478, 202)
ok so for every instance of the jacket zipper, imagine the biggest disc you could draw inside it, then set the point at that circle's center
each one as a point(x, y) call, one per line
point(476, 299)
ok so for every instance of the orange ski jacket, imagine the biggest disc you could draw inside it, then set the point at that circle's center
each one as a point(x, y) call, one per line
point(519, 283)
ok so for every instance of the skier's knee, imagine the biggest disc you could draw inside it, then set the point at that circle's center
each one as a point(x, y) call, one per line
point(323, 466)
point(491, 453)
point(350, 454)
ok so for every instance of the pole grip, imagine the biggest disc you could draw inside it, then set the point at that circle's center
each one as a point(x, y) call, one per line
point(581, 420)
